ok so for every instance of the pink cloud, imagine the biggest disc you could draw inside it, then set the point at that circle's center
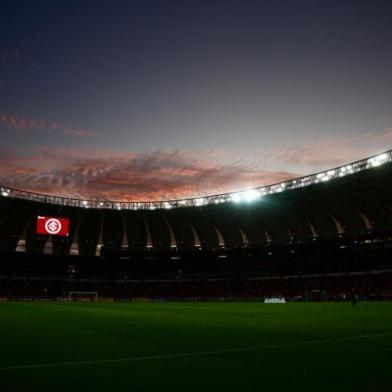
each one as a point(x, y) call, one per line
point(20, 124)
point(331, 151)
point(169, 174)
point(155, 175)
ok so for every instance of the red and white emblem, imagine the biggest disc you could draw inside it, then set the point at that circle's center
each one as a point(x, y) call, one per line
point(53, 226)
point(49, 225)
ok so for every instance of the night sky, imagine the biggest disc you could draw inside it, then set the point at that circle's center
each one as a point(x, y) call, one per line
point(150, 100)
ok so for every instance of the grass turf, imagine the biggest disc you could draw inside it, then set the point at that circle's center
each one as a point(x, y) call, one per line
point(290, 347)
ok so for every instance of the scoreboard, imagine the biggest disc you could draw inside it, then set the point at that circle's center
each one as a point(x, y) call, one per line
point(49, 225)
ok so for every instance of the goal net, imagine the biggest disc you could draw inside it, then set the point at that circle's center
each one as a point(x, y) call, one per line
point(83, 296)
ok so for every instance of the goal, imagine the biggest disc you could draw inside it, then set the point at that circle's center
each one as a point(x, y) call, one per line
point(83, 296)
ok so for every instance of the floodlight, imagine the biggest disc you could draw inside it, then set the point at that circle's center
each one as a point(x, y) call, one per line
point(236, 197)
point(378, 160)
point(5, 192)
point(251, 195)
point(200, 202)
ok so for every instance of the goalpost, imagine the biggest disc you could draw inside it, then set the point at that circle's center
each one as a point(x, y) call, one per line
point(83, 296)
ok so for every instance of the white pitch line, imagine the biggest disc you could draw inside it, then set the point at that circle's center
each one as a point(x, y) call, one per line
point(193, 354)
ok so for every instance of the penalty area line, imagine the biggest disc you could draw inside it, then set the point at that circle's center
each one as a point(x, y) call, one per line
point(193, 354)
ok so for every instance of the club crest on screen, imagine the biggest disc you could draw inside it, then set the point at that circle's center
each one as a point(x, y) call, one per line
point(52, 226)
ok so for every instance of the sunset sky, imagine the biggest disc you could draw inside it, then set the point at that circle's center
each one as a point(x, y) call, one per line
point(148, 100)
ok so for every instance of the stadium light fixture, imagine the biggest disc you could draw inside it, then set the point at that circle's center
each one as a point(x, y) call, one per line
point(377, 160)
point(200, 201)
point(5, 192)
point(251, 195)
point(246, 196)
point(236, 197)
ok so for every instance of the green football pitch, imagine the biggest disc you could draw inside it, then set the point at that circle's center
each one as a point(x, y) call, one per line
point(195, 347)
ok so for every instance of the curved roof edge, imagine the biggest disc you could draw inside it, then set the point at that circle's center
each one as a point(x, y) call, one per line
point(236, 197)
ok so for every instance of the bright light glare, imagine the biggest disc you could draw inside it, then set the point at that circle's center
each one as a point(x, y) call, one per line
point(200, 201)
point(5, 192)
point(247, 196)
point(378, 160)
point(251, 195)
point(236, 197)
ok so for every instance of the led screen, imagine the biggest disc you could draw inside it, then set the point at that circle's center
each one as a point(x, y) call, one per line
point(48, 225)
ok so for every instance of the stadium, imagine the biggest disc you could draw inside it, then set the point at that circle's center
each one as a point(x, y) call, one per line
point(311, 236)
point(179, 264)
point(195, 195)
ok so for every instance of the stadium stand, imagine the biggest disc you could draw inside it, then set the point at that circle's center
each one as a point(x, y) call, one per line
point(339, 231)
